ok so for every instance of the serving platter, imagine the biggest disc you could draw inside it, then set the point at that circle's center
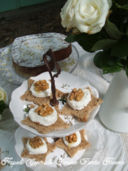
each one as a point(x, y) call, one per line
point(59, 158)
point(65, 82)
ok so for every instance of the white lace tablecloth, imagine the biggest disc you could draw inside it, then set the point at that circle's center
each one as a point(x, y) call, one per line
point(112, 158)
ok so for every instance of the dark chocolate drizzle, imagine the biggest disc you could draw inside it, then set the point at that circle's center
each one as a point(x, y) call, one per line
point(50, 53)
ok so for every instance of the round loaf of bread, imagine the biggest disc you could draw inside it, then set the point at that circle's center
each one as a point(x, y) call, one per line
point(27, 52)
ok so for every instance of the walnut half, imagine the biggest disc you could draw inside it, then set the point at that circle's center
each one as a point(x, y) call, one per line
point(76, 94)
point(41, 85)
point(44, 110)
point(35, 142)
point(71, 138)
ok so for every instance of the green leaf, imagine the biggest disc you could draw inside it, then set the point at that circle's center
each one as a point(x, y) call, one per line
point(63, 100)
point(107, 63)
point(120, 49)
point(85, 40)
point(27, 109)
point(125, 7)
point(112, 30)
point(3, 106)
point(101, 59)
point(111, 69)
point(71, 38)
point(103, 44)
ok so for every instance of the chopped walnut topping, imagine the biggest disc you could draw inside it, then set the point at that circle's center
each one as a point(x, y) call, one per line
point(41, 85)
point(76, 94)
point(35, 142)
point(71, 138)
point(44, 110)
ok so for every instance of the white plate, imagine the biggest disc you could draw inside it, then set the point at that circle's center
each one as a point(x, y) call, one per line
point(65, 82)
point(6, 65)
point(95, 136)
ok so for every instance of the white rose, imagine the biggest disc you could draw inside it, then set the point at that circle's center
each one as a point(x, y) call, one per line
point(87, 16)
point(67, 14)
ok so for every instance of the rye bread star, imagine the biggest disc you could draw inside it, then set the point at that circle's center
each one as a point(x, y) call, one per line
point(71, 151)
point(58, 125)
point(38, 100)
point(38, 157)
point(83, 114)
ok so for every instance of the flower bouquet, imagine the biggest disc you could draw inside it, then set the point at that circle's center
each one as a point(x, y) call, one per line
point(102, 26)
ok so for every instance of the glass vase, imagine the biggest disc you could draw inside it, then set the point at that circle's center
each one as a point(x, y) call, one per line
point(114, 110)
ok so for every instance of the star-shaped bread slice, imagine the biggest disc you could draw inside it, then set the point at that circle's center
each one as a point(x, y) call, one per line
point(38, 100)
point(71, 151)
point(58, 125)
point(37, 157)
point(83, 114)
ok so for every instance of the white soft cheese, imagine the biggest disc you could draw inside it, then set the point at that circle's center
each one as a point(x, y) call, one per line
point(73, 144)
point(45, 93)
point(43, 120)
point(39, 150)
point(79, 105)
